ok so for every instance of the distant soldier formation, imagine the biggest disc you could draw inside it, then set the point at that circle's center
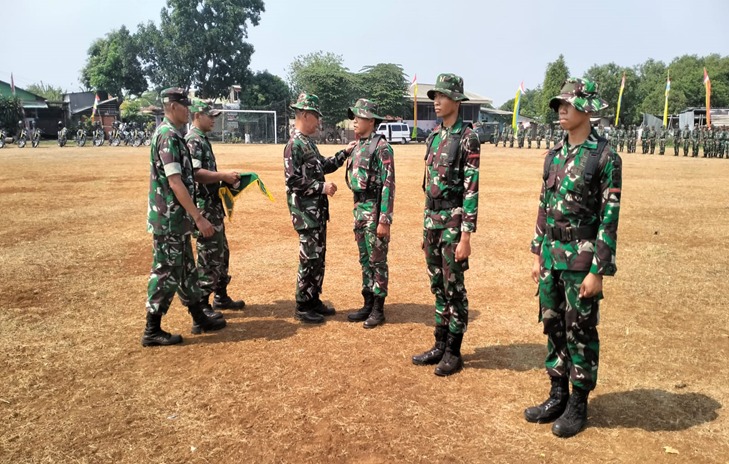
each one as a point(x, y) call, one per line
point(712, 140)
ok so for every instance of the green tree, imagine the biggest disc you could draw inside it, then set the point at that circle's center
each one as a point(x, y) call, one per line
point(529, 104)
point(200, 43)
point(264, 89)
point(652, 86)
point(324, 75)
point(112, 65)
point(47, 91)
point(11, 111)
point(555, 75)
point(385, 84)
point(608, 78)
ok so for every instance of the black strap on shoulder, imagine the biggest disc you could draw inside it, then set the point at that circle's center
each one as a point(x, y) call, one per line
point(594, 160)
point(549, 159)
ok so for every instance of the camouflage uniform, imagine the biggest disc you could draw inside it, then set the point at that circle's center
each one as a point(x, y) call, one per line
point(676, 140)
point(652, 140)
point(540, 135)
point(686, 137)
point(520, 135)
point(662, 134)
point(511, 137)
point(695, 141)
point(621, 137)
point(213, 253)
point(575, 234)
point(304, 170)
point(548, 135)
point(709, 142)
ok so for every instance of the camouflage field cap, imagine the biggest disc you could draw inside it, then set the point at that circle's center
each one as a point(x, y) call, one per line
point(449, 85)
point(175, 94)
point(580, 93)
point(364, 109)
point(204, 107)
point(307, 102)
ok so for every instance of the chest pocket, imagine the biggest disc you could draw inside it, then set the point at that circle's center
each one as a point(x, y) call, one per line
point(449, 163)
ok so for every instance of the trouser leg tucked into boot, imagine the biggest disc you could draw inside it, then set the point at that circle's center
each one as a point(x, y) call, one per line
point(377, 316)
point(552, 407)
point(306, 314)
point(433, 355)
point(222, 300)
point(208, 310)
point(364, 312)
point(154, 335)
point(451, 362)
point(201, 322)
point(574, 418)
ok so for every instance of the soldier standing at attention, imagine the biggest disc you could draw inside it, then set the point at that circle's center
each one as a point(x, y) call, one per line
point(548, 135)
point(540, 135)
point(686, 137)
point(213, 253)
point(306, 195)
point(676, 140)
point(662, 134)
point(574, 247)
point(695, 140)
point(520, 134)
point(170, 219)
point(371, 177)
point(450, 182)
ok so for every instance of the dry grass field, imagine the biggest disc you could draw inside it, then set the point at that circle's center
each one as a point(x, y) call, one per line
point(77, 387)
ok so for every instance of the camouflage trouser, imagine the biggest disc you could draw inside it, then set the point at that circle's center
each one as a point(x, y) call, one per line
point(213, 258)
point(446, 278)
point(694, 148)
point(173, 270)
point(539, 143)
point(570, 324)
point(652, 144)
point(686, 144)
point(372, 258)
point(621, 144)
point(676, 146)
point(511, 142)
point(529, 143)
point(661, 147)
point(312, 254)
point(547, 142)
point(707, 148)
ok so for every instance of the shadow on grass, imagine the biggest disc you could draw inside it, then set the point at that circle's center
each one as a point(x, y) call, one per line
point(517, 357)
point(652, 410)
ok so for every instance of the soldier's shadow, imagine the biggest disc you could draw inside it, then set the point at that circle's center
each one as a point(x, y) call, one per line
point(518, 357)
point(652, 410)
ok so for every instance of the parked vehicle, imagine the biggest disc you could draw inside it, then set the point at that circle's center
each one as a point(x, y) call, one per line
point(81, 137)
point(422, 135)
point(22, 137)
point(486, 131)
point(98, 135)
point(35, 135)
point(394, 131)
point(115, 136)
point(3, 135)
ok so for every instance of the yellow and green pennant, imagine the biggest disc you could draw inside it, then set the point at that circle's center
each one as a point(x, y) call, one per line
point(229, 194)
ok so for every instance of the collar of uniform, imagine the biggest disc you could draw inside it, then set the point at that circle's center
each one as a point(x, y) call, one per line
point(299, 134)
point(166, 120)
point(199, 132)
point(454, 129)
point(366, 139)
point(590, 142)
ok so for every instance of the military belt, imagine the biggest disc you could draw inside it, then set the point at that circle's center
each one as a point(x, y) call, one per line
point(568, 234)
point(361, 197)
point(439, 204)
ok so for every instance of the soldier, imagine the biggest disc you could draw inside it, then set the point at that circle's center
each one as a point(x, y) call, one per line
point(676, 140)
point(450, 183)
point(662, 134)
point(529, 135)
point(695, 140)
point(548, 135)
point(709, 142)
point(371, 177)
point(540, 135)
point(612, 137)
point(213, 253)
point(511, 137)
point(652, 139)
point(497, 135)
point(306, 195)
point(719, 142)
point(621, 137)
point(170, 219)
point(505, 134)
point(574, 247)
point(630, 138)
point(686, 137)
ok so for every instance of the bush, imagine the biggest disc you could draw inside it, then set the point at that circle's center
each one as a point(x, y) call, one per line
point(11, 111)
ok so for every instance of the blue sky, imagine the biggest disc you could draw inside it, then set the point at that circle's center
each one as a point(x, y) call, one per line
point(494, 45)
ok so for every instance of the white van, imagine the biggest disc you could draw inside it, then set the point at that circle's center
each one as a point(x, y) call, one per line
point(394, 131)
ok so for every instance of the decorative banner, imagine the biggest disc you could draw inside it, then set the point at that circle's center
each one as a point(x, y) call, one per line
point(229, 194)
point(517, 102)
point(620, 99)
point(665, 106)
point(414, 85)
point(707, 85)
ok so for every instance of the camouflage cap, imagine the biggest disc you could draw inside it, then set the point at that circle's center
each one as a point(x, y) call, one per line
point(204, 107)
point(580, 93)
point(307, 102)
point(364, 109)
point(175, 94)
point(449, 85)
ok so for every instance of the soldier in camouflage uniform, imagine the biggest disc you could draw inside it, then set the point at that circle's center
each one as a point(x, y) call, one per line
point(652, 140)
point(529, 135)
point(621, 137)
point(676, 140)
point(721, 140)
point(170, 219)
point(695, 141)
point(540, 135)
point(574, 247)
point(450, 183)
point(213, 253)
point(662, 134)
point(548, 135)
point(520, 135)
point(709, 142)
point(306, 195)
point(686, 138)
point(370, 175)
point(511, 137)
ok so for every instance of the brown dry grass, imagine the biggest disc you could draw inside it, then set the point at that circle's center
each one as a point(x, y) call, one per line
point(77, 386)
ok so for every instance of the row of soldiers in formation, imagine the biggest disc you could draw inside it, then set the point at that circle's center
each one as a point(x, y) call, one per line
point(714, 141)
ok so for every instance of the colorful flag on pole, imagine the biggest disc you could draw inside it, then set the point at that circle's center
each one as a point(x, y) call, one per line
point(229, 194)
point(12, 83)
point(517, 102)
point(707, 85)
point(95, 108)
point(414, 86)
point(620, 99)
point(665, 106)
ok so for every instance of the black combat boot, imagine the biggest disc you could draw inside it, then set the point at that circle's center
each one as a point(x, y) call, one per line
point(201, 322)
point(433, 355)
point(554, 406)
point(451, 362)
point(222, 300)
point(574, 418)
point(377, 316)
point(305, 313)
point(364, 312)
point(320, 308)
point(154, 335)
point(208, 310)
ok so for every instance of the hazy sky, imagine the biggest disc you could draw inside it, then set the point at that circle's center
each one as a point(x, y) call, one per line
point(494, 45)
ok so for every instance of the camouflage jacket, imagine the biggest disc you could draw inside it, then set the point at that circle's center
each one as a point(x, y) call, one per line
point(463, 187)
point(373, 177)
point(202, 157)
point(304, 169)
point(561, 205)
point(168, 156)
